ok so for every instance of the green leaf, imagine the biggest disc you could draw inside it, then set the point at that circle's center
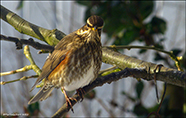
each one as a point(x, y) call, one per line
point(142, 51)
point(128, 37)
point(139, 88)
point(145, 8)
point(123, 20)
point(140, 110)
point(158, 57)
point(33, 109)
point(85, 3)
point(20, 5)
point(176, 52)
point(158, 25)
point(154, 108)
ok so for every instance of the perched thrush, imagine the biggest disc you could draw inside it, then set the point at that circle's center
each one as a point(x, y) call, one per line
point(75, 61)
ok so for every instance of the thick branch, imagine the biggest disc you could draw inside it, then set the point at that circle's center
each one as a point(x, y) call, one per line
point(99, 82)
point(170, 53)
point(19, 43)
point(52, 37)
point(169, 75)
point(136, 73)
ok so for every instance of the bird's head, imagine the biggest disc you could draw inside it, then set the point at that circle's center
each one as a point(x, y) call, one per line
point(94, 24)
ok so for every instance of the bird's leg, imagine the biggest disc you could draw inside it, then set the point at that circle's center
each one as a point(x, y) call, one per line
point(80, 92)
point(68, 99)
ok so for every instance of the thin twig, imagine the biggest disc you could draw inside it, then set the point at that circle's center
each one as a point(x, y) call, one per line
point(29, 57)
point(155, 83)
point(19, 43)
point(107, 69)
point(26, 68)
point(165, 87)
point(156, 113)
point(23, 78)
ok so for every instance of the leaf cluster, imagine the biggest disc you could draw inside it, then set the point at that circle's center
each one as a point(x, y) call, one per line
point(124, 20)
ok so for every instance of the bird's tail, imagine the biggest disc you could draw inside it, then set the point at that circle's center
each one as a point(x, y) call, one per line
point(43, 93)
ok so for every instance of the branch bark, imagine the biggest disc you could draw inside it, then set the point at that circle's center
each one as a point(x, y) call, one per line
point(169, 75)
point(127, 72)
point(51, 37)
point(99, 82)
point(19, 43)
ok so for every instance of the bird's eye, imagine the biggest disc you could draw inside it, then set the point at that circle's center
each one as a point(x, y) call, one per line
point(88, 25)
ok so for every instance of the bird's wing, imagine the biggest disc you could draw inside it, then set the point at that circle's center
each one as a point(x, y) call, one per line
point(50, 64)
point(43, 93)
point(58, 55)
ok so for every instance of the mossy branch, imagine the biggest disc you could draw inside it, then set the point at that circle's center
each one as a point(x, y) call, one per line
point(51, 37)
point(170, 53)
point(169, 75)
point(29, 57)
point(26, 68)
point(127, 72)
point(22, 78)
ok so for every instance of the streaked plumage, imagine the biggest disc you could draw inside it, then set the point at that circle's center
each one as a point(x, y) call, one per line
point(75, 61)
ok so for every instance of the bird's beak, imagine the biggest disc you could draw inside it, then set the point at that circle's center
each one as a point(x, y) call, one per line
point(94, 29)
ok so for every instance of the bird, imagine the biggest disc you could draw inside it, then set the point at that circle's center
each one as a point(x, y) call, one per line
point(74, 63)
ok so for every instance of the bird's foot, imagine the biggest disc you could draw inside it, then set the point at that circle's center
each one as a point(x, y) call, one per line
point(68, 100)
point(80, 92)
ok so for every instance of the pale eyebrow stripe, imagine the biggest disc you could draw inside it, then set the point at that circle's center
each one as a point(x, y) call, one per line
point(89, 23)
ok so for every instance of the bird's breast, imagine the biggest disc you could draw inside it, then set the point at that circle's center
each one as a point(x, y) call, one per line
point(77, 81)
point(82, 68)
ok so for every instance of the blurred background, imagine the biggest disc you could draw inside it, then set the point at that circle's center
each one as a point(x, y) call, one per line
point(158, 23)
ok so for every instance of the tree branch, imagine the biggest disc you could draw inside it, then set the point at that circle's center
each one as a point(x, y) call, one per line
point(170, 53)
point(51, 37)
point(98, 82)
point(169, 75)
point(26, 68)
point(136, 73)
point(22, 78)
point(19, 43)
point(29, 57)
